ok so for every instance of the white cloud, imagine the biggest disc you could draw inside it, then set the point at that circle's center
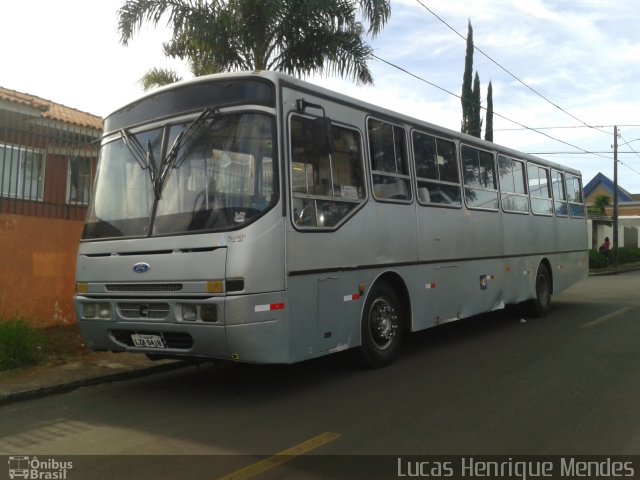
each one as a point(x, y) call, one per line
point(582, 55)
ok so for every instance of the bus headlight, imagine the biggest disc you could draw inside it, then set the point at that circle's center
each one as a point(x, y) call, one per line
point(209, 313)
point(104, 310)
point(189, 312)
point(89, 310)
point(96, 310)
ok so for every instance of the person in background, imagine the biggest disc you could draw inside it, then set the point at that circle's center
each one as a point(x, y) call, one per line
point(605, 247)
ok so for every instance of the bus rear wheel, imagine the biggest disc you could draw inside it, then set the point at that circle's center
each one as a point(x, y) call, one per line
point(540, 305)
point(381, 327)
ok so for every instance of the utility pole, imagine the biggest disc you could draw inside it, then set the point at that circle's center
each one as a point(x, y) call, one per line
point(615, 196)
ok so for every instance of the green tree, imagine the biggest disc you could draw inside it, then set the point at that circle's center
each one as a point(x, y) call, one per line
point(466, 97)
point(475, 127)
point(159, 76)
point(488, 129)
point(297, 37)
point(599, 204)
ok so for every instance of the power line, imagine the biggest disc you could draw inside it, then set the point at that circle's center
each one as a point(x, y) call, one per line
point(578, 153)
point(632, 150)
point(404, 70)
point(509, 73)
point(564, 127)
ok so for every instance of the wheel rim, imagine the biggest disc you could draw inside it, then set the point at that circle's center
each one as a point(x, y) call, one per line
point(383, 323)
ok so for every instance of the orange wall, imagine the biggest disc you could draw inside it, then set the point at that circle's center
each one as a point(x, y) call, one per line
point(599, 190)
point(623, 210)
point(37, 268)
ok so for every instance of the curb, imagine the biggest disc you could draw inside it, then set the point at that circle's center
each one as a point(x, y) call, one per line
point(632, 267)
point(44, 391)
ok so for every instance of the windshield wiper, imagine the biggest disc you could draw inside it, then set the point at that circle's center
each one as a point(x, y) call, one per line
point(136, 150)
point(195, 129)
point(144, 158)
point(159, 173)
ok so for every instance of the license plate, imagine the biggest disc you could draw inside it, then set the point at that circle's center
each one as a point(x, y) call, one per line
point(147, 341)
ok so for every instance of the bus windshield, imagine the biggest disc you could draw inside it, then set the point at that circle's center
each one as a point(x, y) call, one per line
point(214, 173)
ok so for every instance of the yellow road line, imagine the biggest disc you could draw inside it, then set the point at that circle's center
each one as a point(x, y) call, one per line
point(282, 457)
point(604, 318)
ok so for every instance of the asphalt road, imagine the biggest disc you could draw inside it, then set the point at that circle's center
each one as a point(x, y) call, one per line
point(497, 384)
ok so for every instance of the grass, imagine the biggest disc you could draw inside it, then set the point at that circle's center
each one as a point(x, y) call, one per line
point(20, 344)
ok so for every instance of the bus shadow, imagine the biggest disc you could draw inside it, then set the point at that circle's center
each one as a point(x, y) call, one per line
point(223, 379)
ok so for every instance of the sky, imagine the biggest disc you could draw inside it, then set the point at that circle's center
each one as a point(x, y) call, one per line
point(573, 65)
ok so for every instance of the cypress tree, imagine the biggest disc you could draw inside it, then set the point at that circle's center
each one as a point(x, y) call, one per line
point(476, 108)
point(488, 132)
point(467, 93)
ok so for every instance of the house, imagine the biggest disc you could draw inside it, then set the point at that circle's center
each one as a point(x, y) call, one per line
point(601, 225)
point(628, 203)
point(48, 156)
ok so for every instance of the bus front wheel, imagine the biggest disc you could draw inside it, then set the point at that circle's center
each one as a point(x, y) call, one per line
point(539, 306)
point(381, 327)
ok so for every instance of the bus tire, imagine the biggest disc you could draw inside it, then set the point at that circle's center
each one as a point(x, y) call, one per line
point(539, 306)
point(381, 327)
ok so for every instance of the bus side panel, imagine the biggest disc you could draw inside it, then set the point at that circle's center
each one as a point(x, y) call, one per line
point(574, 265)
point(472, 241)
point(256, 255)
point(443, 233)
point(257, 328)
point(518, 240)
point(434, 291)
point(326, 311)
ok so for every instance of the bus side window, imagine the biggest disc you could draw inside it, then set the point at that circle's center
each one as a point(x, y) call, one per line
point(389, 161)
point(512, 185)
point(479, 175)
point(574, 194)
point(539, 190)
point(436, 170)
point(559, 193)
point(326, 188)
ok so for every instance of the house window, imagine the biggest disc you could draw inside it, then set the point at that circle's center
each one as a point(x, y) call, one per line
point(79, 181)
point(21, 172)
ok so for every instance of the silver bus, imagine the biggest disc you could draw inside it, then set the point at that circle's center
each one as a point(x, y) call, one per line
point(259, 218)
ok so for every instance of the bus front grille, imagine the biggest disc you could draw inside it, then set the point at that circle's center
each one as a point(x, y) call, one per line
point(143, 287)
point(152, 311)
point(177, 340)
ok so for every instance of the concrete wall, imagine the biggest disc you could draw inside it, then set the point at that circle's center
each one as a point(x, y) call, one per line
point(37, 268)
point(628, 233)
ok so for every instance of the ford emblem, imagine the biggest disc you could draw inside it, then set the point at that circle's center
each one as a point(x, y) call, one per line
point(141, 267)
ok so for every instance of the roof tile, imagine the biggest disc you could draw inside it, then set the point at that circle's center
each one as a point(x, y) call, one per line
point(52, 110)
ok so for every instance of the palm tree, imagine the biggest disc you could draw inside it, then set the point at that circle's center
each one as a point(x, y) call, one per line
point(158, 76)
point(297, 37)
point(599, 205)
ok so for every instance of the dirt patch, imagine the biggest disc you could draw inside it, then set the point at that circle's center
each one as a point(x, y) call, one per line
point(64, 344)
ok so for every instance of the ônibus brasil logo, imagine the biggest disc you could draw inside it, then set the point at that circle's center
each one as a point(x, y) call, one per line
point(38, 469)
